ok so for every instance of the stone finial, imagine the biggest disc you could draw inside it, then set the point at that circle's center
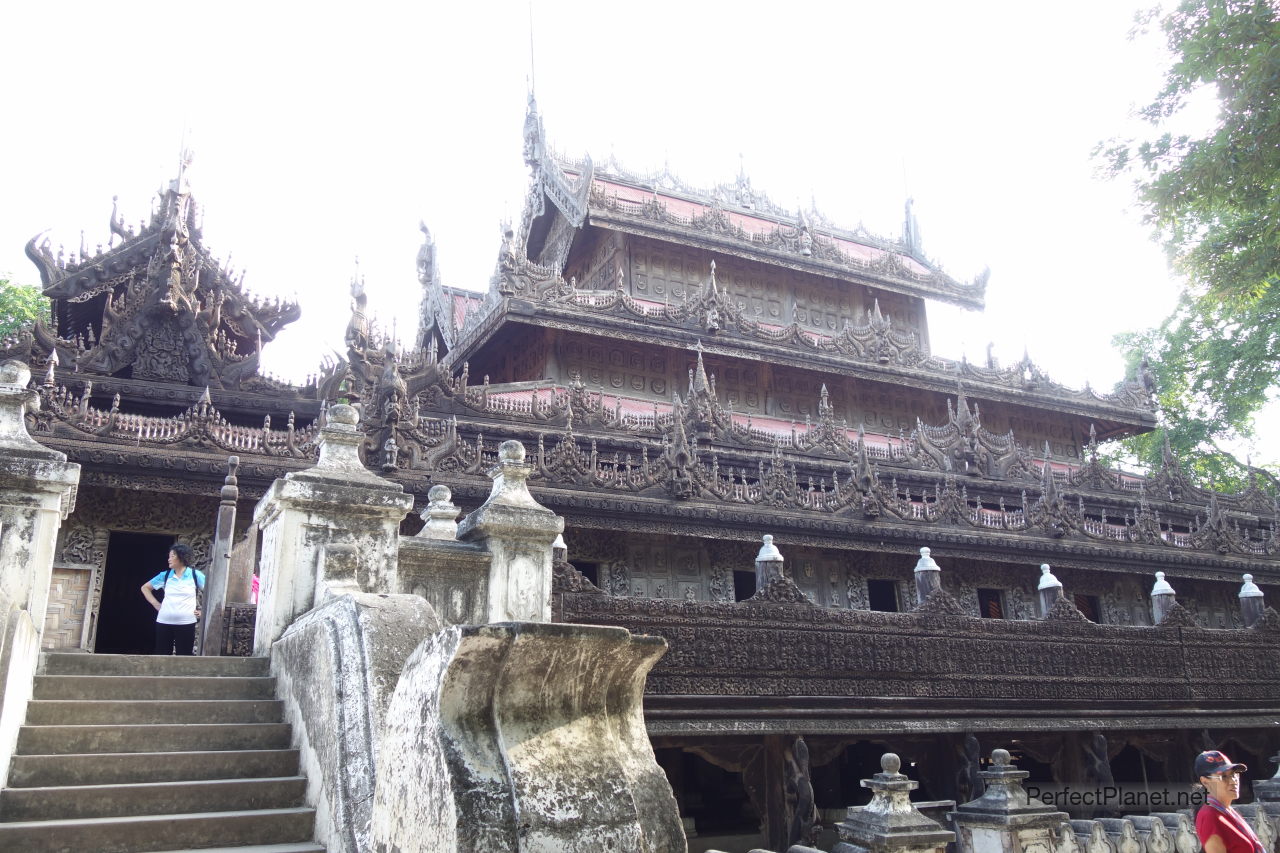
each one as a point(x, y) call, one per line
point(559, 550)
point(1253, 606)
point(890, 822)
point(1163, 599)
point(340, 442)
point(518, 532)
point(1049, 590)
point(15, 401)
point(768, 568)
point(341, 415)
point(928, 576)
point(768, 551)
point(510, 476)
point(1047, 579)
point(441, 515)
point(1005, 807)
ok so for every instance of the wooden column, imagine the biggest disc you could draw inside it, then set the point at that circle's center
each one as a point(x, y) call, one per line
point(215, 591)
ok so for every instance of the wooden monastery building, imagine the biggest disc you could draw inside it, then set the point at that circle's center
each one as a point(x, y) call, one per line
point(690, 370)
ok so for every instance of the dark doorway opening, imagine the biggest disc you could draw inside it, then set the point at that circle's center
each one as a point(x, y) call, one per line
point(883, 595)
point(590, 571)
point(716, 799)
point(126, 622)
point(744, 585)
point(1088, 605)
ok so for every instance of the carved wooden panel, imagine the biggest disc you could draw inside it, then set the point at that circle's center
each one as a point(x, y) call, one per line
point(769, 649)
point(662, 273)
point(620, 368)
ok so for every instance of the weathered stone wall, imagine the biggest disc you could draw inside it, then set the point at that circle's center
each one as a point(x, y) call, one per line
point(337, 667)
point(19, 652)
point(523, 736)
point(452, 576)
point(37, 491)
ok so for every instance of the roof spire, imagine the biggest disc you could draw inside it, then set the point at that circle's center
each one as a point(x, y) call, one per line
point(532, 64)
point(911, 229)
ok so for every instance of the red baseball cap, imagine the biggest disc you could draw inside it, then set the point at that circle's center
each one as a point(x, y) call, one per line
point(1213, 762)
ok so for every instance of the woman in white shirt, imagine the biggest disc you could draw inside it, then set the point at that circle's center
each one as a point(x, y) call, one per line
point(176, 616)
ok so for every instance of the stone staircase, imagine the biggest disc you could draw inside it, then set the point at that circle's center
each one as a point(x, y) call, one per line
point(129, 753)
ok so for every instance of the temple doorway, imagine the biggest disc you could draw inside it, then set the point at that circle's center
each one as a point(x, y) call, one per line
point(126, 622)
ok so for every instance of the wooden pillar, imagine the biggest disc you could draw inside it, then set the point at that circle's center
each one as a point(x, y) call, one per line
point(216, 581)
point(773, 824)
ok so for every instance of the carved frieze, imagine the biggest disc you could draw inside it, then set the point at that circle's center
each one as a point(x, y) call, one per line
point(799, 650)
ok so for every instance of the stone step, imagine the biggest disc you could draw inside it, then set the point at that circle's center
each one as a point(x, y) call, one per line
point(89, 801)
point(73, 712)
point(135, 687)
point(141, 834)
point(64, 740)
point(67, 663)
point(32, 771)
point(305, 847)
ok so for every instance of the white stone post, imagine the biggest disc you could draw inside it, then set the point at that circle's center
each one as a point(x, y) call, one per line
point(37, 491)
point(928, 577)
point(517, 531)
point(1005, 819)
point(1162, 599)
point(442, 515)
point(306, 514)
point(1252, 604)
point(1050, 589)
point(769, 563)
point(890, 823)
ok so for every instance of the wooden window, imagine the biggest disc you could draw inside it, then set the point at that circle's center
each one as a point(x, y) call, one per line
point(883, 595)
point(990, 604)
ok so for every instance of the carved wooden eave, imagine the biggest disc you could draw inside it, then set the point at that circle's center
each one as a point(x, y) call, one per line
point(594, 465)
point(1020, 385)
point(183, 453)
point(157, 306)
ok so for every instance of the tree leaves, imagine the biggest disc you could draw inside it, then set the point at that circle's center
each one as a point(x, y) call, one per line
point(1214, 202)
point(20, 304)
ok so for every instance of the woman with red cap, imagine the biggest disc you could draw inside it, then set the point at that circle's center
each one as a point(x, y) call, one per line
point(1220, 827)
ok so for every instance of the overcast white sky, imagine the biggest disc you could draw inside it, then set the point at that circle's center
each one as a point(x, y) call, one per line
point(323, 132)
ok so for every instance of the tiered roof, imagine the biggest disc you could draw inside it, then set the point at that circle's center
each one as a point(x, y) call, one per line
point(155, 304)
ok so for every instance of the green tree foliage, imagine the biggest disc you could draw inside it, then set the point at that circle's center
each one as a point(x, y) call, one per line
point(20, 304)
point(1214, 202)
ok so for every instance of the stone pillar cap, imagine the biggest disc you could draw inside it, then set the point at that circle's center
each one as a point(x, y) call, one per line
point(1162, 586)
point(1047, 580)
point(1250, 589)
point(926, 563)
point(769, 552)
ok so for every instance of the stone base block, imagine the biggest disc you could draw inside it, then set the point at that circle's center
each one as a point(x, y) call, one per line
point(524, 736)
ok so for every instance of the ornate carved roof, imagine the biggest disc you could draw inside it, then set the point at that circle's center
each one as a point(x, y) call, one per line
point(154, 304)
point(873, 349)
point(732, 218)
